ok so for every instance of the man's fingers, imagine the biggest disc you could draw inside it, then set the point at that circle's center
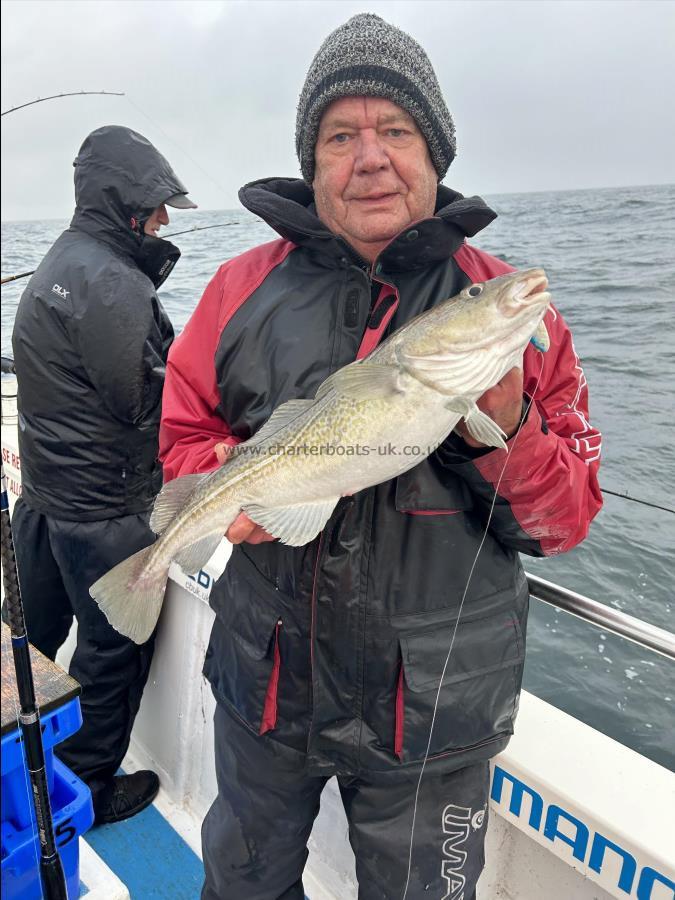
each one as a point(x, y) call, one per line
point(245, 529)
point(223, 452)
point(240, 529)
point(508, 389)
point(503, 403)
point(513, 381)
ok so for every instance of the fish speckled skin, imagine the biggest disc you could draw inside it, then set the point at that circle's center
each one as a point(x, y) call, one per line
point(369, 422)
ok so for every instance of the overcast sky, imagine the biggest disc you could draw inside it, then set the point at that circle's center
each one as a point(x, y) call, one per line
point(546, 94)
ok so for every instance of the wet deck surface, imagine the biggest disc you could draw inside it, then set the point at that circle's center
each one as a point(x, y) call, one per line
point(149, 857)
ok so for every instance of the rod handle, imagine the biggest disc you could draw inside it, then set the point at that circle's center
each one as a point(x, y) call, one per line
point(53, 879)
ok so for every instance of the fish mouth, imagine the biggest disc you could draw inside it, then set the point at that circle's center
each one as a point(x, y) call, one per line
point(527, 290)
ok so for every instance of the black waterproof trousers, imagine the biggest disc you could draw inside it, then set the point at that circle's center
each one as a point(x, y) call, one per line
point(254, 837)
point(58, 561)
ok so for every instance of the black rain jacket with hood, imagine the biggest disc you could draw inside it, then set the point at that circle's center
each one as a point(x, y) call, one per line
point(91, 340)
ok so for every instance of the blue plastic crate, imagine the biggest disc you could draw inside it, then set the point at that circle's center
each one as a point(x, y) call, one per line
point(57, 725)
point(73, 815)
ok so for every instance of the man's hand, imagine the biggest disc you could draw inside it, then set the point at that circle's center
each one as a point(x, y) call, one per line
point(223, 452)
point(243, 528)
point(503, 403)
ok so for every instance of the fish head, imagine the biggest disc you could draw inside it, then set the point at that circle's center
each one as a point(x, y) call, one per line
point(501, 314)
point(465, 346)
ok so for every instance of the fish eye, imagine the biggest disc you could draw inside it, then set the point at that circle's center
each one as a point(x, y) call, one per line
point(475, 290)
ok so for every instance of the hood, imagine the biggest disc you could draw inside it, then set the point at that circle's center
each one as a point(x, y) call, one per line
point(287, 205)
point(120, 175)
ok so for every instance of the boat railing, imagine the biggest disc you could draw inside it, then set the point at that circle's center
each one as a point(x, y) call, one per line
point(604, 616)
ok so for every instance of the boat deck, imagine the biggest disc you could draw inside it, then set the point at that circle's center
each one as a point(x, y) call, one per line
point(149, 857)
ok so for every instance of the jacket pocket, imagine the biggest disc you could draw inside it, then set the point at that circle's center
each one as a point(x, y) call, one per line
point(479, 691)
point(243, 661)
point(428, 490)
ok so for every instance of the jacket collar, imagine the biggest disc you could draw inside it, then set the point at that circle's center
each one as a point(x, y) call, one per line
point(287, 205)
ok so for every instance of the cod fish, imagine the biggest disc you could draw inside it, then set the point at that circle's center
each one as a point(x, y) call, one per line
point(410, 392)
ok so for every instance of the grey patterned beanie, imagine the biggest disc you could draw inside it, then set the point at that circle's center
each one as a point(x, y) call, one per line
point(367, 57)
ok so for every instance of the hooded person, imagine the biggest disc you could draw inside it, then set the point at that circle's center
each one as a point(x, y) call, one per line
point(90, 342)
point(330, 659)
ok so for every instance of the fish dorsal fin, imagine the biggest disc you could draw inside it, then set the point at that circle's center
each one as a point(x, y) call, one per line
point(293, 525)
point(283, 415)
point(362, 381)
point(171, 499)
point(195, 556)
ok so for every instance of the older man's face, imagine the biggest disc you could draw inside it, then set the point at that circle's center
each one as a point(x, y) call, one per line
point(374, 175)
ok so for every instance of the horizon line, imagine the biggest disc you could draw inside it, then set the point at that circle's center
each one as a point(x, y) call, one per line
point(238, 210)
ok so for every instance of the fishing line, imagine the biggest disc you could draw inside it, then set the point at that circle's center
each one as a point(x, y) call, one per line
point(454, 632)
point(176, 144)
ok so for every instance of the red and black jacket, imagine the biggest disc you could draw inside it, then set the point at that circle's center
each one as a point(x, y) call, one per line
point(336, 648)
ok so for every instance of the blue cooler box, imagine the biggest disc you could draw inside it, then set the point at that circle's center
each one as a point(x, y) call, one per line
point(72, 810)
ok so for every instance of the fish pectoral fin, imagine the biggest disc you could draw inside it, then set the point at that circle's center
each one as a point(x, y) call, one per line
point(479, 425)
point(195, 556)
point(460, 405)
point(283, 415)
point(293, 525)
point(363, 381)
point(171, 499)
point(540, 339)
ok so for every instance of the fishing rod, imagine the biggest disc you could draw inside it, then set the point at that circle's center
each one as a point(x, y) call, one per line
point(10, 278)
point(198, 228)
point(57, 96)
point(51, 868)
point(14, 277)
point(636, 500)
point(43, 100)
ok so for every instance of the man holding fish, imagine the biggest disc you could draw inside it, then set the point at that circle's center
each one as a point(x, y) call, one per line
point(370, 622)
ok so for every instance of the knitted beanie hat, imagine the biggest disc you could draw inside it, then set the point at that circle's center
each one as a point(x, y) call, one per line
point(367, 57)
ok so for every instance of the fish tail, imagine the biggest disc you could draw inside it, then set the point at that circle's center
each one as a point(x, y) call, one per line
point(130, 596)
